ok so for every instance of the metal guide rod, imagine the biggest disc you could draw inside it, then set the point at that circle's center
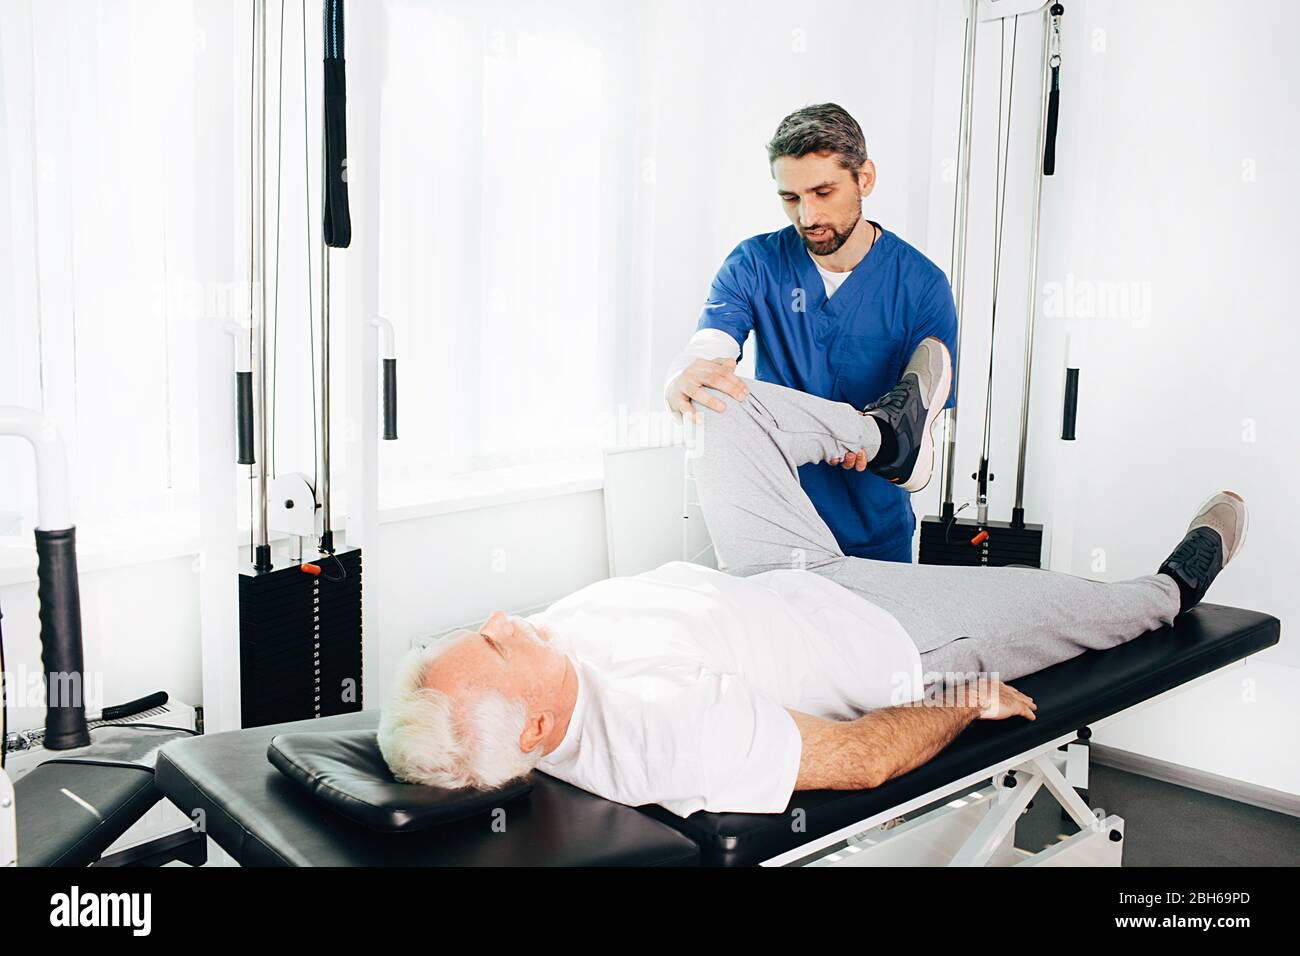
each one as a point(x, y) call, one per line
point(1000, 185)
point(958, 270)
point(336, 229)
point(327, 533)
point(257, 280)
point(1018, 511)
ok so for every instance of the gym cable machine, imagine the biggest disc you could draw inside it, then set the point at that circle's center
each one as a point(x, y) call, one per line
point(300, 621)
point(946, 538)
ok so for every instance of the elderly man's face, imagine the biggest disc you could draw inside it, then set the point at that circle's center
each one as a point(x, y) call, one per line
point(507, 654)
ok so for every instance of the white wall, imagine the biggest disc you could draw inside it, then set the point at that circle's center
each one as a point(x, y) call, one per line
point(1174, 180)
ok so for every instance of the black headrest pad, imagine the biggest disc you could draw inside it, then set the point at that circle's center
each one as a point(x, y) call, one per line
point(345, 771)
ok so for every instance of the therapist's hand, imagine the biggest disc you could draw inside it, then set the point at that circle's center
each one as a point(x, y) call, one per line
point(688, 388)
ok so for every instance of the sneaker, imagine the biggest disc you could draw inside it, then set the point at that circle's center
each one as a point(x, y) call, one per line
point(907, 415)
point(1213, 539)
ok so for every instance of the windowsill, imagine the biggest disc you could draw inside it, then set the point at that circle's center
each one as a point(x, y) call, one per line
point(166, 537)
point(142, 540)
point(447, 494)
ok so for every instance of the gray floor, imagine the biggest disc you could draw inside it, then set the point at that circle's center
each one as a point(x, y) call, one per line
point(1169, 825)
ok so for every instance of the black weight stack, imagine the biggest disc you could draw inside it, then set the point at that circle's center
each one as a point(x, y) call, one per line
point(300, 640)
point(962, 545)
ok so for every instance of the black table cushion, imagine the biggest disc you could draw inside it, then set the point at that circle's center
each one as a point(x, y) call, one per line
point(1069, 695)
point(345, 770)
point(69, 811)
point(260, 817)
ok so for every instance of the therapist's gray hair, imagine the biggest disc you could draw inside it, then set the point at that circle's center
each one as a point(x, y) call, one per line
point(432, 738)
point(820, 128)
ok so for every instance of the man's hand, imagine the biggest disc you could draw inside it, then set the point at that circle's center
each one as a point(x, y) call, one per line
point(688, 388)
point(884, 743)
point(854, 460)
point(998, 701)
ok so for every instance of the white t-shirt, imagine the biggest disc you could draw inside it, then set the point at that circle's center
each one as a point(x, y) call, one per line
point(831, 281)
point(685, 674)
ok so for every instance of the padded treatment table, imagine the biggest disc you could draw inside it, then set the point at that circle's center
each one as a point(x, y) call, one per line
point(1069, 695)
point(260, 817)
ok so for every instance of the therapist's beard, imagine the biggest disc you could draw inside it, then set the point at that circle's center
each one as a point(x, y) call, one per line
point(832, 245)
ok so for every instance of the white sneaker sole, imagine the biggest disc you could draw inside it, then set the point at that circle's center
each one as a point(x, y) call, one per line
point(919, 478)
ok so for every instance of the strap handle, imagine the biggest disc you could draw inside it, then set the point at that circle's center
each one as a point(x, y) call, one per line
point(337, 222)
point(1054, 95)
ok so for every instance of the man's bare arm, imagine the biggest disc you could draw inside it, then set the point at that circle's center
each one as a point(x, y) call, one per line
point(886, 743)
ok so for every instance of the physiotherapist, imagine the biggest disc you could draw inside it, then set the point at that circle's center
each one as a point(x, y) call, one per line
point(837, 303)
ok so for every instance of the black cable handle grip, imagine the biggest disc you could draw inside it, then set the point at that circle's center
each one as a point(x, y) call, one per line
point(244, 417)
point(1053, 109)
point(337, 219)
point(62, 669)
point(137, 706)
point(390, 399)
point(1056, 11)
point(1071, 410)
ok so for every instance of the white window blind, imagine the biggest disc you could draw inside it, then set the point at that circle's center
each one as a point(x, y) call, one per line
point(505, 202)
point(96, 175)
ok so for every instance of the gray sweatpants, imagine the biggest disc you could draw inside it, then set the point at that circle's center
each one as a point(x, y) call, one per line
point(1003, 621)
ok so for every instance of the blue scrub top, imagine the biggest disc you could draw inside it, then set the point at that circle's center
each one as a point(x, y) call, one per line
point(849, 348)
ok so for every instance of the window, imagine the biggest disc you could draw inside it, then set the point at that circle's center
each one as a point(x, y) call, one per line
point(505, 185)
point(96, 175)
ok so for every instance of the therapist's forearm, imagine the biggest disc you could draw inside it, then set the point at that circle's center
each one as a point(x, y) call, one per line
point(886, 743)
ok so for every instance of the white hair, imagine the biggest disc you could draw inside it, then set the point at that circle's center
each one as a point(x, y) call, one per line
point(423, 741)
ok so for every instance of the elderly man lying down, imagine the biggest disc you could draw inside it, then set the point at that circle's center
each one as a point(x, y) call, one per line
point(801, 668)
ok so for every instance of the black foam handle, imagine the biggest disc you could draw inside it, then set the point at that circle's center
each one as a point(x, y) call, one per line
point(1071, 404)
point(138, 706)
point(61, 661)
point(1053, 112)
point(390, 399)
point(337, 221)
point(244, 417)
